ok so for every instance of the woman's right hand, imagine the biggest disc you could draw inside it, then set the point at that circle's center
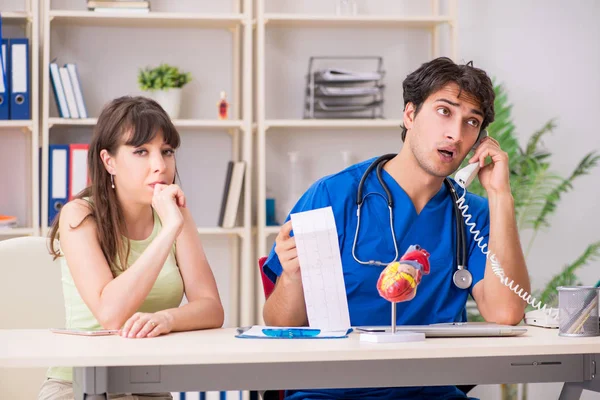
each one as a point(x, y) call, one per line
point(285, 248)
point(166, 201)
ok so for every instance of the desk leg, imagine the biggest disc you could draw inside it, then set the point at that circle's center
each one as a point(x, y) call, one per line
point(90, 383)
point(572, 390)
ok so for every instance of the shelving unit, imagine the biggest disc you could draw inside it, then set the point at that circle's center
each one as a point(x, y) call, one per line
point(333, 123)
point(29, 19)
point(358, 21)
point(179, 123)
point(17, 232)
point(19, 15)
point(238, 22)
point(153, 19)
point(264, 21)
point(16, 124)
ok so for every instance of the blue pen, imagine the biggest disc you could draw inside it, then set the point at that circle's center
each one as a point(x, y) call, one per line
point(291, 333)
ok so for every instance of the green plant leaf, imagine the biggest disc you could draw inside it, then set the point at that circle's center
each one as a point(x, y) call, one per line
point(534, 140)
point(162, 77)
point(583, 168)
point(567, 277)
point(535, 187)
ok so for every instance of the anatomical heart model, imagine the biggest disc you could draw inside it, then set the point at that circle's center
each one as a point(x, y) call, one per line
point(399, 280)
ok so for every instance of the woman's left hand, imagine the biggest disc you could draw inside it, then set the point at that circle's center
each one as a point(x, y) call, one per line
point(142, 325)
point(494, 177)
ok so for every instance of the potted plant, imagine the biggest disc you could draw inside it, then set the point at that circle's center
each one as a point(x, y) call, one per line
point(536, 191)
point(163, 84)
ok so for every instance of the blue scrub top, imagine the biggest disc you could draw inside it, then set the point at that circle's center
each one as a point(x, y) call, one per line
point(434, 228)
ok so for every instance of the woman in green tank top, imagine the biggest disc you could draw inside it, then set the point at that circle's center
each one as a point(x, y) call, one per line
point(129, 247)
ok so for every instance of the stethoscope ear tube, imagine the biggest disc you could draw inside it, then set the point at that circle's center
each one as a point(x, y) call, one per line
point(374, 164)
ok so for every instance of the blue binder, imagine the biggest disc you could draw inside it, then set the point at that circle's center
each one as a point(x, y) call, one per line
point(20, 79)
point(58, 179)
point(4, 92)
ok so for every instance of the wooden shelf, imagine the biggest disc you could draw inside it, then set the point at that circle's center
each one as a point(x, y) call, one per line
point(17, 232)
point(17, 123)
point(334, 123)
point(179, 123)
point(355, 21)
point(218, 231)
point(205, 231)
point(16, 15)
point(151, 19)
point(271, 230)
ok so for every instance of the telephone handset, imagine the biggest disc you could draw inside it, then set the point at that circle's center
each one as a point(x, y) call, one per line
point(464, 177)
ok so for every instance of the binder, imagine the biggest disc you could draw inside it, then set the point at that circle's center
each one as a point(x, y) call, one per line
point(225, 192)
point(75, 82)
point(59, 92)
point(58, 179)
point(4, 93)
point(232, 193)
point(69, 93)
point(20, 83)
point(78, 172)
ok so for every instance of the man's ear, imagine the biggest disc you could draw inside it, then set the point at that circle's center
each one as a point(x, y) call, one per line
point(409, 115)
point(108, 161)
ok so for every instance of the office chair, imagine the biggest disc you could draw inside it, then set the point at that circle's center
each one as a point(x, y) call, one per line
point(268, 287)
point(31, 294)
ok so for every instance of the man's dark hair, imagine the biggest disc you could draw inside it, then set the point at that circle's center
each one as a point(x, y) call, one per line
point(435, 74)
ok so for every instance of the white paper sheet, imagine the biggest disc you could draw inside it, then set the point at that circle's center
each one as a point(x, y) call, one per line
point(321, 266)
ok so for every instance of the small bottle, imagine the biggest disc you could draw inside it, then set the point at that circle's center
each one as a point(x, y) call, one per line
point(346, 158)
point(270, 206)
point(346, 7)
point(223, 107)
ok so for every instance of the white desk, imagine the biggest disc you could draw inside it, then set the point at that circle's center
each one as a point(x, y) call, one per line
point(216, 360)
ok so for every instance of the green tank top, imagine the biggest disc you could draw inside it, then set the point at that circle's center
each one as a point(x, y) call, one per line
point(167, 292)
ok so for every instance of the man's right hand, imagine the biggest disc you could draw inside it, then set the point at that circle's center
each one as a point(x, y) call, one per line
point(286, 305)
point(285, 248)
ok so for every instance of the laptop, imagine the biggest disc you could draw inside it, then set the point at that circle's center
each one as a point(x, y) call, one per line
point(453, 329)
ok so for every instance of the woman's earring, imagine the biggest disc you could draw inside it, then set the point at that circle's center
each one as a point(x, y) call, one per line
point(112, 181)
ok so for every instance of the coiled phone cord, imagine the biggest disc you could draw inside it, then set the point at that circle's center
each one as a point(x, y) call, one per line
point(496, 268)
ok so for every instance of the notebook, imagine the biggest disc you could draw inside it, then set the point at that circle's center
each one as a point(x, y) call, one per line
point(454, 329)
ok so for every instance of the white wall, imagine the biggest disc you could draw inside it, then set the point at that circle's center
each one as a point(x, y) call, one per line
point(547, 55)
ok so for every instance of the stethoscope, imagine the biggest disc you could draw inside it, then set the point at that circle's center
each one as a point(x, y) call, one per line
point(462, 277)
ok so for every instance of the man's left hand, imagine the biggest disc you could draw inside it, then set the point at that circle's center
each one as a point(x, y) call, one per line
point(494, 177)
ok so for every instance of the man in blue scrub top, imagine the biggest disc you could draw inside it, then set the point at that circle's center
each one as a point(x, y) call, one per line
point(445, 107)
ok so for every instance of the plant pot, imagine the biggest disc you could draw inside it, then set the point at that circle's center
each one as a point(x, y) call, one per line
point(169, 100)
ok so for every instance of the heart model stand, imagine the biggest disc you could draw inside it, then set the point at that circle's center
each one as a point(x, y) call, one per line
point(398, 282)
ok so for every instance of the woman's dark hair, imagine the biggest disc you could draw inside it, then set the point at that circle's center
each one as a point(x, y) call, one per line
point(434, 75)
point(132, 121)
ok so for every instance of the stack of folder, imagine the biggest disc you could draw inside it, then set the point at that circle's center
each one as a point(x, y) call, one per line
point(118, 6)
point(344, 93)
point(67, 91)
point(8, 222)
point(67, 175)
point(15, 78)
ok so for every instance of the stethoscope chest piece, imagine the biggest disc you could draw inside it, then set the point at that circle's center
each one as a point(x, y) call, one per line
point(462, 278)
